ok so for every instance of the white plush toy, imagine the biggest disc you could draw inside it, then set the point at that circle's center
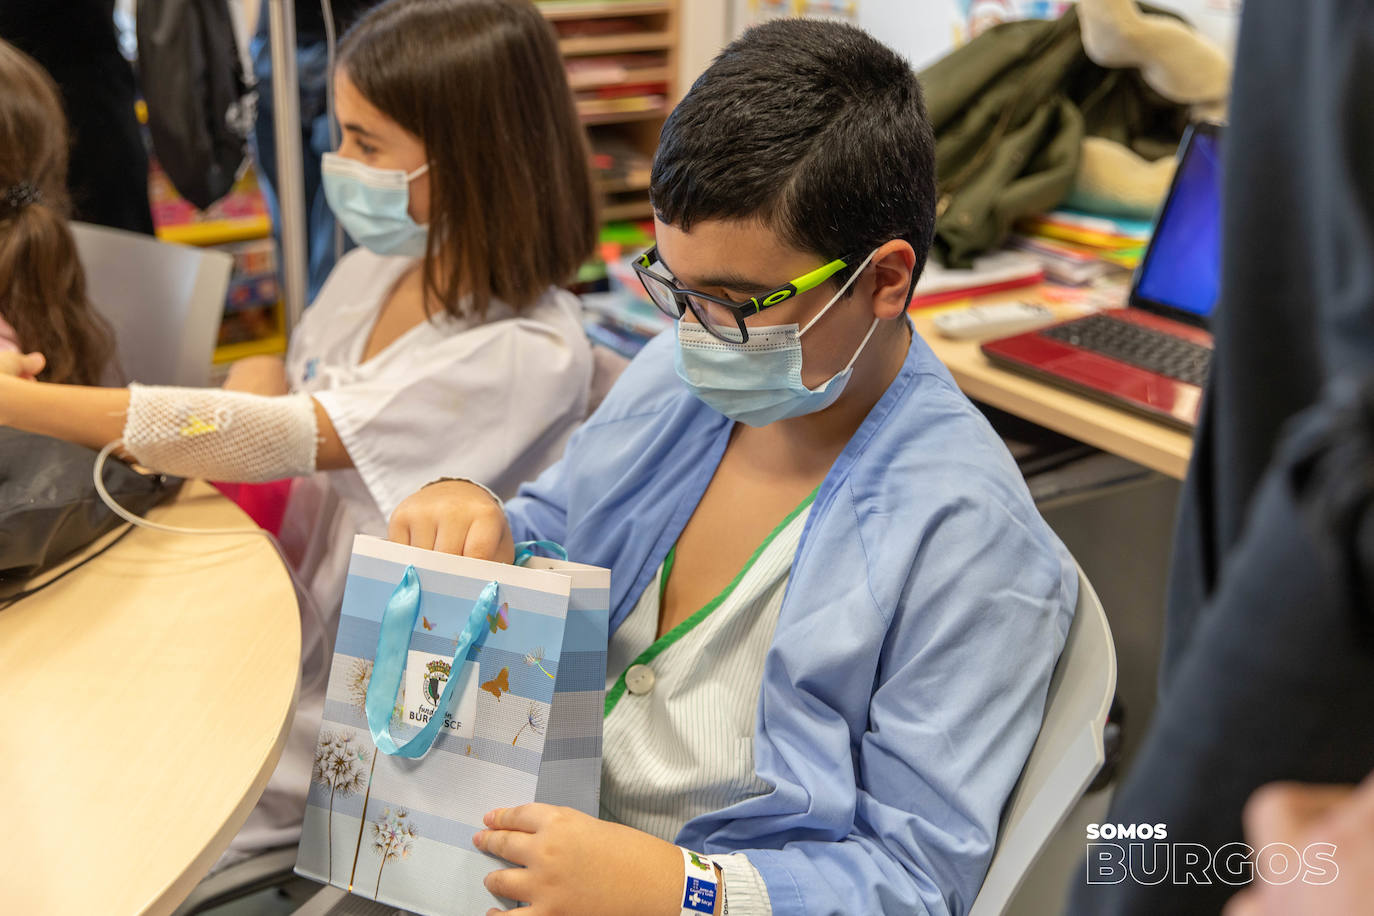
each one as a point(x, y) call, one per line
point(1174, 60)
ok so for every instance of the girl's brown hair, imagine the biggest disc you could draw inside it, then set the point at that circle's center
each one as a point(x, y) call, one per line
point(481, 83)
point(42, 287)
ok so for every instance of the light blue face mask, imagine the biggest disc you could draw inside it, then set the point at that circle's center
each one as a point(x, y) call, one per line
point(373, 205)
point(759, 381)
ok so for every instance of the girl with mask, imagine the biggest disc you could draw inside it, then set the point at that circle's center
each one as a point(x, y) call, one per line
point(835, 610)
point(441, 345)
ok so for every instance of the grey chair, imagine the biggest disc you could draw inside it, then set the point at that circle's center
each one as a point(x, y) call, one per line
point(1067, 754)
point(272, 868)
point(163, 300)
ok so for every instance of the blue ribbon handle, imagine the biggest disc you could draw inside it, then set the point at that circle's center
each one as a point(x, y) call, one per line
point(393, 647)
point(525, 549)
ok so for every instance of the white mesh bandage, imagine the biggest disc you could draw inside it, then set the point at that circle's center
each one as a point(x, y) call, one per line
point(221, 435)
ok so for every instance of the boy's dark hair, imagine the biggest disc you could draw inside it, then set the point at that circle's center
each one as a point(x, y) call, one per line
point(814, 128)
point(481, 83)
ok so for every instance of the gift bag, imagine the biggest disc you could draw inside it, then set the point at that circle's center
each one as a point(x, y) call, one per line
point(457, 686)
point(570, 771)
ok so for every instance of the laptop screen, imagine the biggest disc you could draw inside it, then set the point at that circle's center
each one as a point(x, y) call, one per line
point(1182, 268)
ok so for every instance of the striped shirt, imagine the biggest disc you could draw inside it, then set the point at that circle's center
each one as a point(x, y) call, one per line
point(680, 709)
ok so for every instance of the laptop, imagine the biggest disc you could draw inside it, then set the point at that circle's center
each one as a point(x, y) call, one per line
point(1152, 357)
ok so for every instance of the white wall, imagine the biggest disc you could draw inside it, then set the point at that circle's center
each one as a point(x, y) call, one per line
point(704, 28)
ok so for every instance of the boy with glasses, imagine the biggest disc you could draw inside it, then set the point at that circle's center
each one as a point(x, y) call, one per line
point(835, 610)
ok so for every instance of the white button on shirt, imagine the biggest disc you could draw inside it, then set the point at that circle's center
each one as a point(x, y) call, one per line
point(639, 679)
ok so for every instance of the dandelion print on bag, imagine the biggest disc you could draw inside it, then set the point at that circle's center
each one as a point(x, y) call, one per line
point(393, 838)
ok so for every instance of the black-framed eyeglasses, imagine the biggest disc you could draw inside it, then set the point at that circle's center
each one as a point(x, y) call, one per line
point(723, 318)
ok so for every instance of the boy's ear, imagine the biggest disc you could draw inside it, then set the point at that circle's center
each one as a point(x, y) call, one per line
point(893, 265)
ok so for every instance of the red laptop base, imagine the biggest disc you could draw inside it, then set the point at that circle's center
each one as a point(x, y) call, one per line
point(1157, 396)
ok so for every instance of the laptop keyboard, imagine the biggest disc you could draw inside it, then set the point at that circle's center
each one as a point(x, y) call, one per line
point(1145, 348)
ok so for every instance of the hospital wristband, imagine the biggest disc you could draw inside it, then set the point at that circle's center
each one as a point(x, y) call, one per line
point(724, 889)
point(699, 884)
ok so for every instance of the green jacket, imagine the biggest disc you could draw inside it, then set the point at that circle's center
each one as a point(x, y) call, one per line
point(1010, 110)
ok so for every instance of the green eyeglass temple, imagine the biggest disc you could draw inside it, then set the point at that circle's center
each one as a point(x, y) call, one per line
point(798, 286)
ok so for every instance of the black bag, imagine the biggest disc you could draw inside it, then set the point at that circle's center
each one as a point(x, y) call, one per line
point(49, 508)
point(200, 105)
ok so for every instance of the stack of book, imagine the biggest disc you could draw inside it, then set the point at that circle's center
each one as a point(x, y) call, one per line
point(250, 310)
point(629, 98)
point(620, 315)
point(241, 214)
point(596, 27)
point(239, 223)
point(619, 166)
point(1065, 253)
point(615, 69)
point(1078, 249)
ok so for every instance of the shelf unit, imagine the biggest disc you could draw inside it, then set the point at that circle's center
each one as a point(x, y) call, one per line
point(611, 48)
point(626, 117)
point(636, 180)
point(630, 210)
point(645, 75)
point(557, 10)
point(616, 44)
point(240, 217)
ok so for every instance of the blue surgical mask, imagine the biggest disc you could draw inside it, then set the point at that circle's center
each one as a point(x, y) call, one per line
point(373, 205)
point(759, 381)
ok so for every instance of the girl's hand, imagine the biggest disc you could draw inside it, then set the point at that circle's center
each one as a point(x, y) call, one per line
point(265, 375)
point(576, 864)
point(22, 365)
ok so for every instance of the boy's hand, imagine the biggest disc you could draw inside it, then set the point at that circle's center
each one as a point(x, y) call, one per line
point(577, 865)
point(454, 516)
point(22, 365)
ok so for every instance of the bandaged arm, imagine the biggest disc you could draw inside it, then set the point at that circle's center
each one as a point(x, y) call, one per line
point(186, 431)
point(221, 435)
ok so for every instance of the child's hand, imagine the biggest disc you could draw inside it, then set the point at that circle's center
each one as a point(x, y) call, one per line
point(264, 375)
point(454, 517)
point(22, 365)
point(575, 864)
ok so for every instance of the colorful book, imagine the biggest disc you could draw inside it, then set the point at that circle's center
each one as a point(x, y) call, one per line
point(1137, 229)
point(1038, 226)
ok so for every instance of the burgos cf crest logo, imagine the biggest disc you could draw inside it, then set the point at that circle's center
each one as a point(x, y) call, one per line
point(436, 676)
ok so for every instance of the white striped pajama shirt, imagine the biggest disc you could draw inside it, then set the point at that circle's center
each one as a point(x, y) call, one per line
point(679, 728)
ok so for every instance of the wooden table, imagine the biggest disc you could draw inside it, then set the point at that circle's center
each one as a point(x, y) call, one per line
point(1103, 426)
point(145, 701)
